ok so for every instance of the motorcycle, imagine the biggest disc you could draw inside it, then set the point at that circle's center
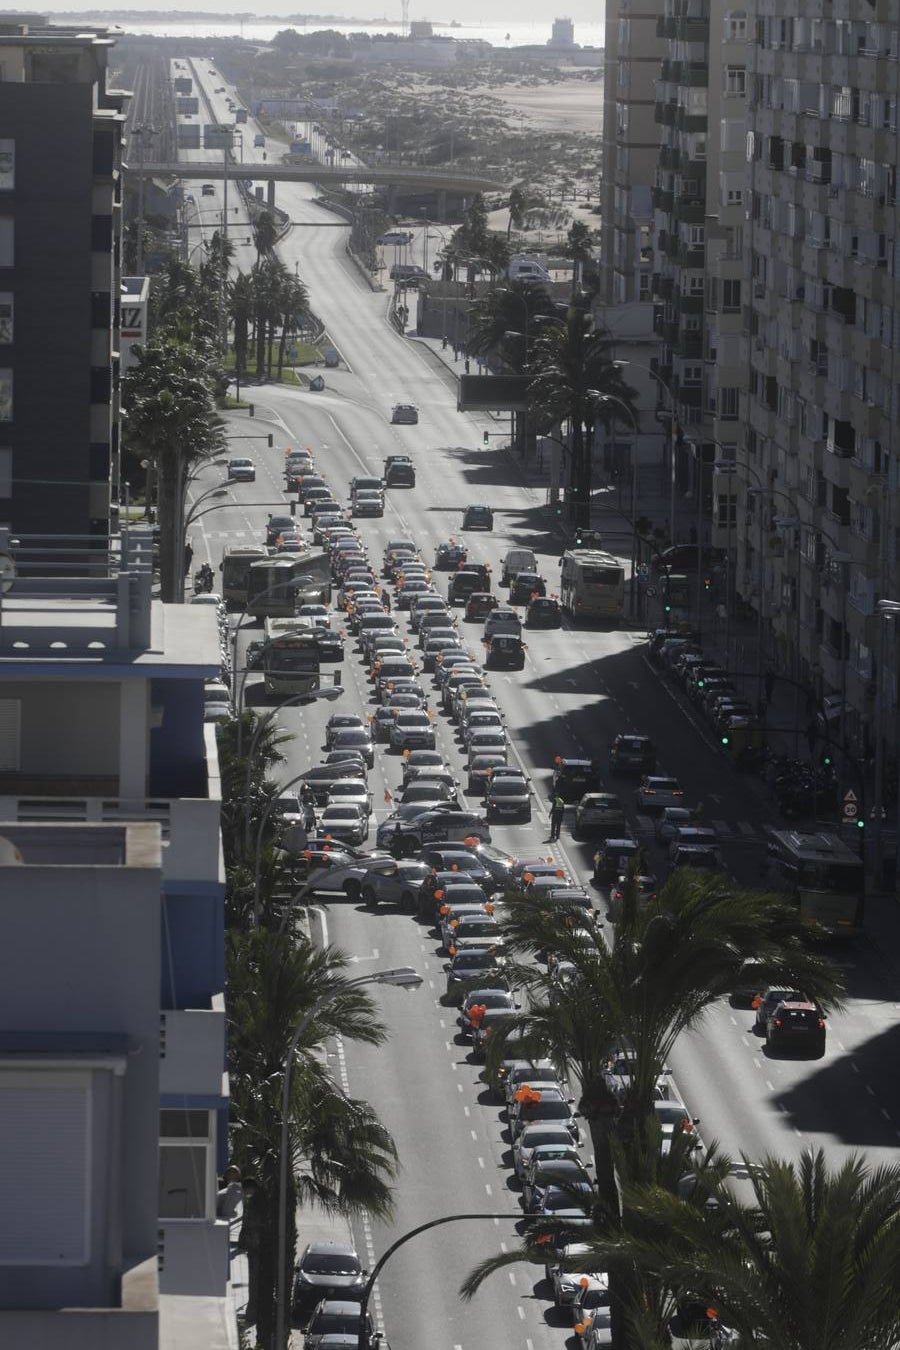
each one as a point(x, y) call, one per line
point(203, 579)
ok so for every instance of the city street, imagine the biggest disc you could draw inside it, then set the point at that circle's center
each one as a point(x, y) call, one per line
point(579, 688)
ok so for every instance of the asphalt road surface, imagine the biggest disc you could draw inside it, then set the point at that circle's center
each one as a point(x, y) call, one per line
point(578, 689)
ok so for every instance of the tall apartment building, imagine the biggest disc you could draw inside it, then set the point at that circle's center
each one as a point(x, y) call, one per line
point(819, 539)
point(633, 51)
point(113, 1084)
point(699, 204)
point(60, 206)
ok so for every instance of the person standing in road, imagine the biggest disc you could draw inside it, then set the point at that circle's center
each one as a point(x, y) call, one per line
point(557, 812)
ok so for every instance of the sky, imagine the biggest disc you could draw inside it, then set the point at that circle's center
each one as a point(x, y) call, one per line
point(439, 11)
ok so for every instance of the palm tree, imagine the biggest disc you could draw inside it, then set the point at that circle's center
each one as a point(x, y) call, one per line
point(265, 235)
point(342, 1156)
point(294, 303)
point(240, 303)
point(809, 1264)
point(573, 371)
point(668, 962)
point(518, 204)
point(171, 418)
point(578, 247)
point(505, 324)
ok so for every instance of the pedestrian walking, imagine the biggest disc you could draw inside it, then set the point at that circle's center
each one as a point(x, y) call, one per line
point(188, 557)
point(557, 812)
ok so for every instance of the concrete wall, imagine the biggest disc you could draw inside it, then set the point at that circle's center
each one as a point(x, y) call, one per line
point(79, 963)
point(68, 729)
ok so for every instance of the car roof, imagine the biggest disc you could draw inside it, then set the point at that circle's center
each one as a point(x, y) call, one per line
point(331, 1249)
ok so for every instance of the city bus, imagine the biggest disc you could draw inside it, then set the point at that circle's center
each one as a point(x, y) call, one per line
point(591, 585)
point(290, 656)
point(825, 878)
point(276, 585)
point(235, 569)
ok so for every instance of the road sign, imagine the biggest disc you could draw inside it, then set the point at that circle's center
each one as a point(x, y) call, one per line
point(851, 805)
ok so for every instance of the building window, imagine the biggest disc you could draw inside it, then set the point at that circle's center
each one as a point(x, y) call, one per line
point(186, 1164)
point(7, 165)
point(7, 241)
point(692, 375)
point(6, 316)
point(729, 401)
point(731, 295)
point(6, 395)
point(736, 80)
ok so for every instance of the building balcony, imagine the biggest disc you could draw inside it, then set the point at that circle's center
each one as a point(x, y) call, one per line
point(664, 111)
point(690, 304)
point(669, 157)
point(665, 288)
point(193, 1257)
point(690, 122)
point(132, 1323)
point(689, 29)
point(663, 199)
point(192, 1050)
point(665, 28)
point(189, 826)
point(688, 345)
point(691, 210)
point(690, 255)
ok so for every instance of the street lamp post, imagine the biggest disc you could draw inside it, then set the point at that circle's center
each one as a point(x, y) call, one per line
point(889, 612)
point(404, 977)
point(363, 1335)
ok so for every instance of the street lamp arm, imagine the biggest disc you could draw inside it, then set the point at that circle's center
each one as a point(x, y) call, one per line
point(363, 1340)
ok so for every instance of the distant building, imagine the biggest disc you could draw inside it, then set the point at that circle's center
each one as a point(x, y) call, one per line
point(60, 223)
point(420, 28)
point(132, 318)
point(562, 34)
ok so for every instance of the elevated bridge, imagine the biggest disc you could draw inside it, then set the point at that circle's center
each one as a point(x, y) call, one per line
point(394, 176)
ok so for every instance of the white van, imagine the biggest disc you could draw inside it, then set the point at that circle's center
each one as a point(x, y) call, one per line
point(517, 560)
point(524, 270)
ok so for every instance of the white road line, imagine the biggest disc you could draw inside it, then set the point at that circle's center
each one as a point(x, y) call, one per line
point(474, 1134)
point(481, 1163)
point(870, 1089)
point(488, 1189)
point(466, 1112)
point(520, 1310)
point(770, 1085)
point(511, 1277)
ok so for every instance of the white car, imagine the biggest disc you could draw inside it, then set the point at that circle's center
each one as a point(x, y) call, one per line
point(350, 792)
point(655, 793)
point(216, 701)
point(412, 731)
point(534, 1134)
point(347, 821)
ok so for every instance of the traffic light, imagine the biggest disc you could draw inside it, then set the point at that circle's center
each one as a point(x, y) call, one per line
point(707, 583)
point(826, 760)
point(726, 740)
point(860, 824)
point(700, 683)
point(487, 438)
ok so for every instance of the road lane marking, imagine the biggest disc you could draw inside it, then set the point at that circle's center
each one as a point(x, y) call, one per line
point(466, 1112)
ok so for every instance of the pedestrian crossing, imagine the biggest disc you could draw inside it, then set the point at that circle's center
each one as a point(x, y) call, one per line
point(727, 832)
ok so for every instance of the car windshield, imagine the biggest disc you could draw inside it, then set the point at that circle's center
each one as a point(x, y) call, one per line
point(507, 787)
point(472, 960)
point(557, 1199)
point(352, 736)
point(318, 1263)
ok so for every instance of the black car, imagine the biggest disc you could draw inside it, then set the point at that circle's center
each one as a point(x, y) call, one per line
point(798, 1026)
point(339, 1317)
point(466, 580)
point(572, 778)
point(632, 754)
point(504, 651)
point(525, 587)
point(543, 612)
point(613, 858)
point(327, 1270)
point(478, 518)
point(330, 645)
point(399, 471)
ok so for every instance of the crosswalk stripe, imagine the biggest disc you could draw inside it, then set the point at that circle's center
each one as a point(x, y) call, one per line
point(744, 827)
point(720, 826)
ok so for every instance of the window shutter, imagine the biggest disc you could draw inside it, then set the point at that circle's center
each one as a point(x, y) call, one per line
point(44, 1139)
point(10, 734)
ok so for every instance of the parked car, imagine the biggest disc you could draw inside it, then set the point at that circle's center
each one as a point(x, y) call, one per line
point(327, 1270)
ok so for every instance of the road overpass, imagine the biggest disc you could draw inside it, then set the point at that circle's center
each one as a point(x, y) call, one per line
point(395, 176)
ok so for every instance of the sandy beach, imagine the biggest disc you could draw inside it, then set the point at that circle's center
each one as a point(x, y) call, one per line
point(573, 104)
